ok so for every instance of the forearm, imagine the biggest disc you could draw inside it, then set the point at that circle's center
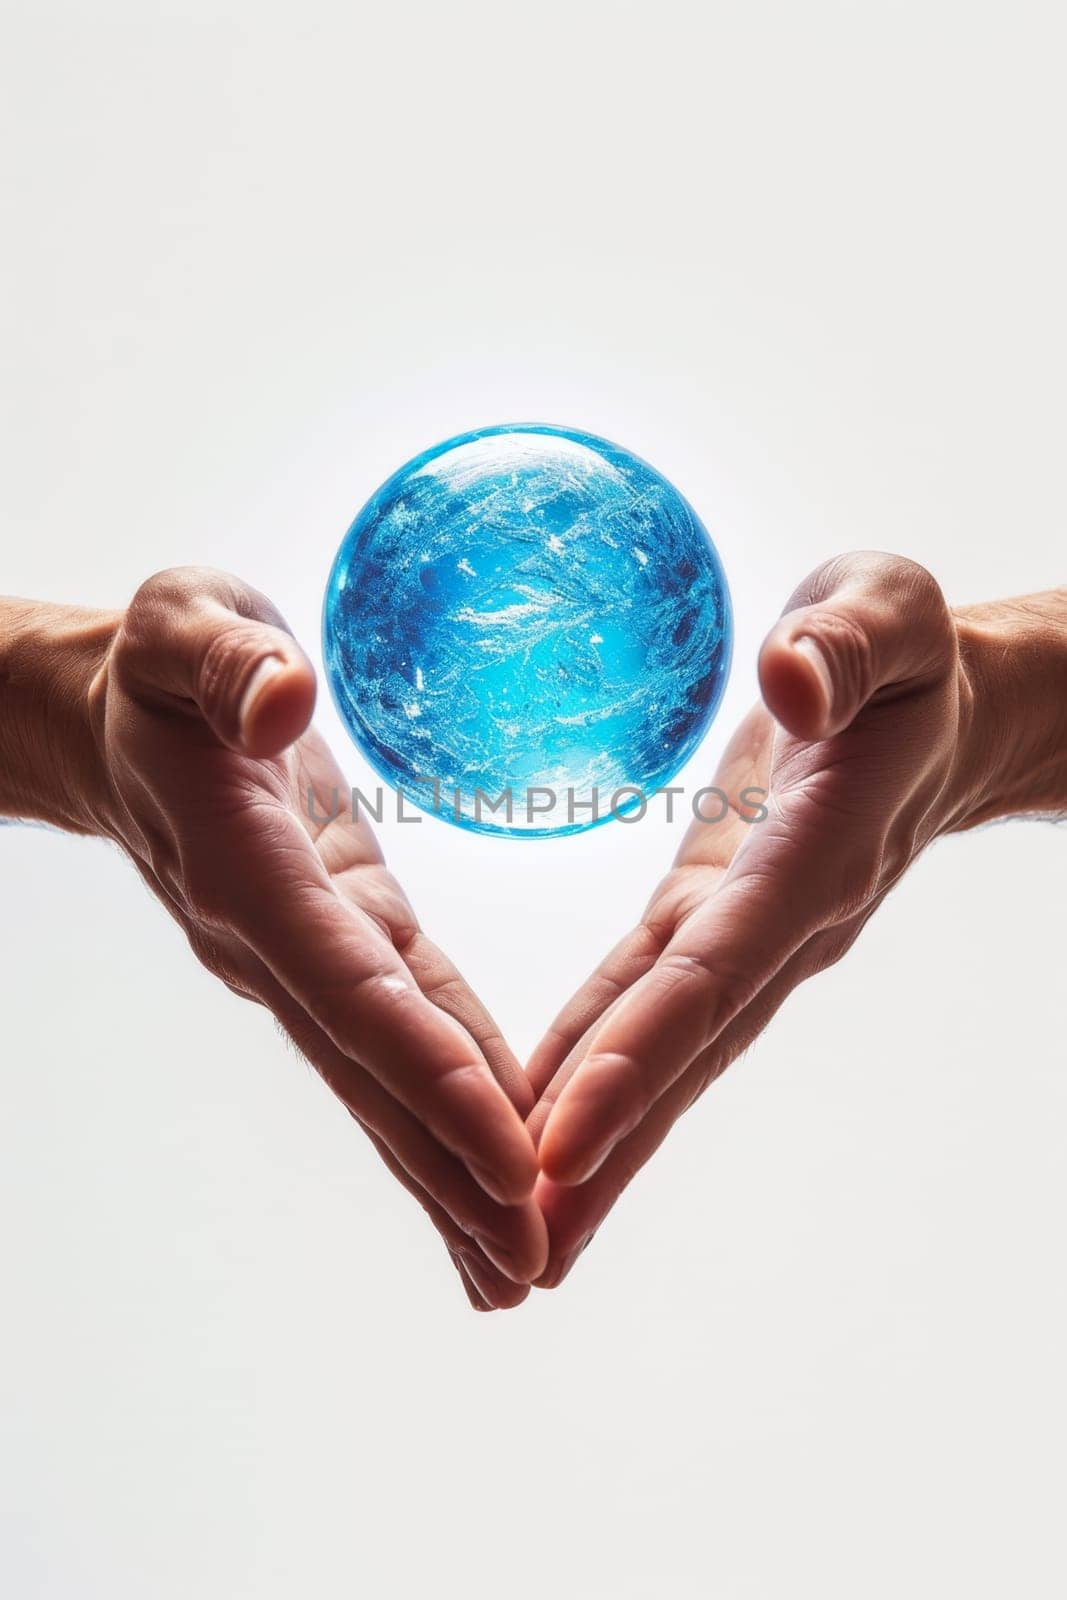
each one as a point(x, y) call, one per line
point(1014, 659)
point(49, 766)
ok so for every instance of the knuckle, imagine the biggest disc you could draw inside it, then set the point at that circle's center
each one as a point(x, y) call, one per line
point(891, 591)
point(143, 625)
point(203, 947)
point(385, 903)
point(685, 967)
point(820, 583)
point(733, 991)
point(858, 880)
point(704, 1072)
point(873, 570)
point(127, 650)
point(203, 888)
point(830, 951)
point(913, 597)
point(898, 855)
point(915, 582)
point(468, 1075)
point(628, 1162)
point(356, 1000)
point(172, 589)
point(449, 994)
point(211, 954)
point(725, 989)
point(463, 1209)
point(96, 697)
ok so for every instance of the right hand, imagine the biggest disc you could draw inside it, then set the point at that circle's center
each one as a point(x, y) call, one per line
point(879, 732)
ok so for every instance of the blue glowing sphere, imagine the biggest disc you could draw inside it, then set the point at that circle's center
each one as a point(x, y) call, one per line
point(527, 630)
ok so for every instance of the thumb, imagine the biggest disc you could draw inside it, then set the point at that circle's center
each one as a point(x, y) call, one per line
point(860, 624)
point(194, 637)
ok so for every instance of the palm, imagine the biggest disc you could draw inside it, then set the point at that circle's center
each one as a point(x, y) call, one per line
point(745, 914)
point(284, 895)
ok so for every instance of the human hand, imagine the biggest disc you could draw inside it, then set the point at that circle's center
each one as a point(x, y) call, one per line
point(200, 717)
point(887, 721)
point(180, 729)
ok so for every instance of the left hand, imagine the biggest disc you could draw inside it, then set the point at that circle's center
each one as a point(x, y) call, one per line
point(203, 770)
point(872, 757)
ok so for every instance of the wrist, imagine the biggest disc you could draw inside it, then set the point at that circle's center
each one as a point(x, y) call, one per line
point(1013, 659)
point(51, 769)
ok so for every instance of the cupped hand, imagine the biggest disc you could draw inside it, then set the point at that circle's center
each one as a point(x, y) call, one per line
point(861, 754)
point(232, 809)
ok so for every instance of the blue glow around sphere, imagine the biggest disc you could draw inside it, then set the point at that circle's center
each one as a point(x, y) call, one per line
point(524, 610)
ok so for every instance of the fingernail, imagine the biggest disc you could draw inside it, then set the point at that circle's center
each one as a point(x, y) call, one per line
point(267, 669)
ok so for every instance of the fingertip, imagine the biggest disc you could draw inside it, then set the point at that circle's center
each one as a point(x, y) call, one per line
point(522, 1261)
point(277, 705)
point(796, 684)
point(540, 1237)
point(557, 1270)
point(512, 1297)
point(487, 1288)
point(569, 1161)
point(476, 1300)
point(595, 1111)
point(506, 1296)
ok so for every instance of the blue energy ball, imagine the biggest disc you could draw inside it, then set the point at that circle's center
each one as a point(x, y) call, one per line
point(527, 630)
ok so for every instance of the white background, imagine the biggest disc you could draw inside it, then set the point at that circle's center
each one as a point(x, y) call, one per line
point(808, 260)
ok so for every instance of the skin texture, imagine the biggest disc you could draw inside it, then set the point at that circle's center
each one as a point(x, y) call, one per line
point(886, 721)
point(194, 754)
point(180, 729)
